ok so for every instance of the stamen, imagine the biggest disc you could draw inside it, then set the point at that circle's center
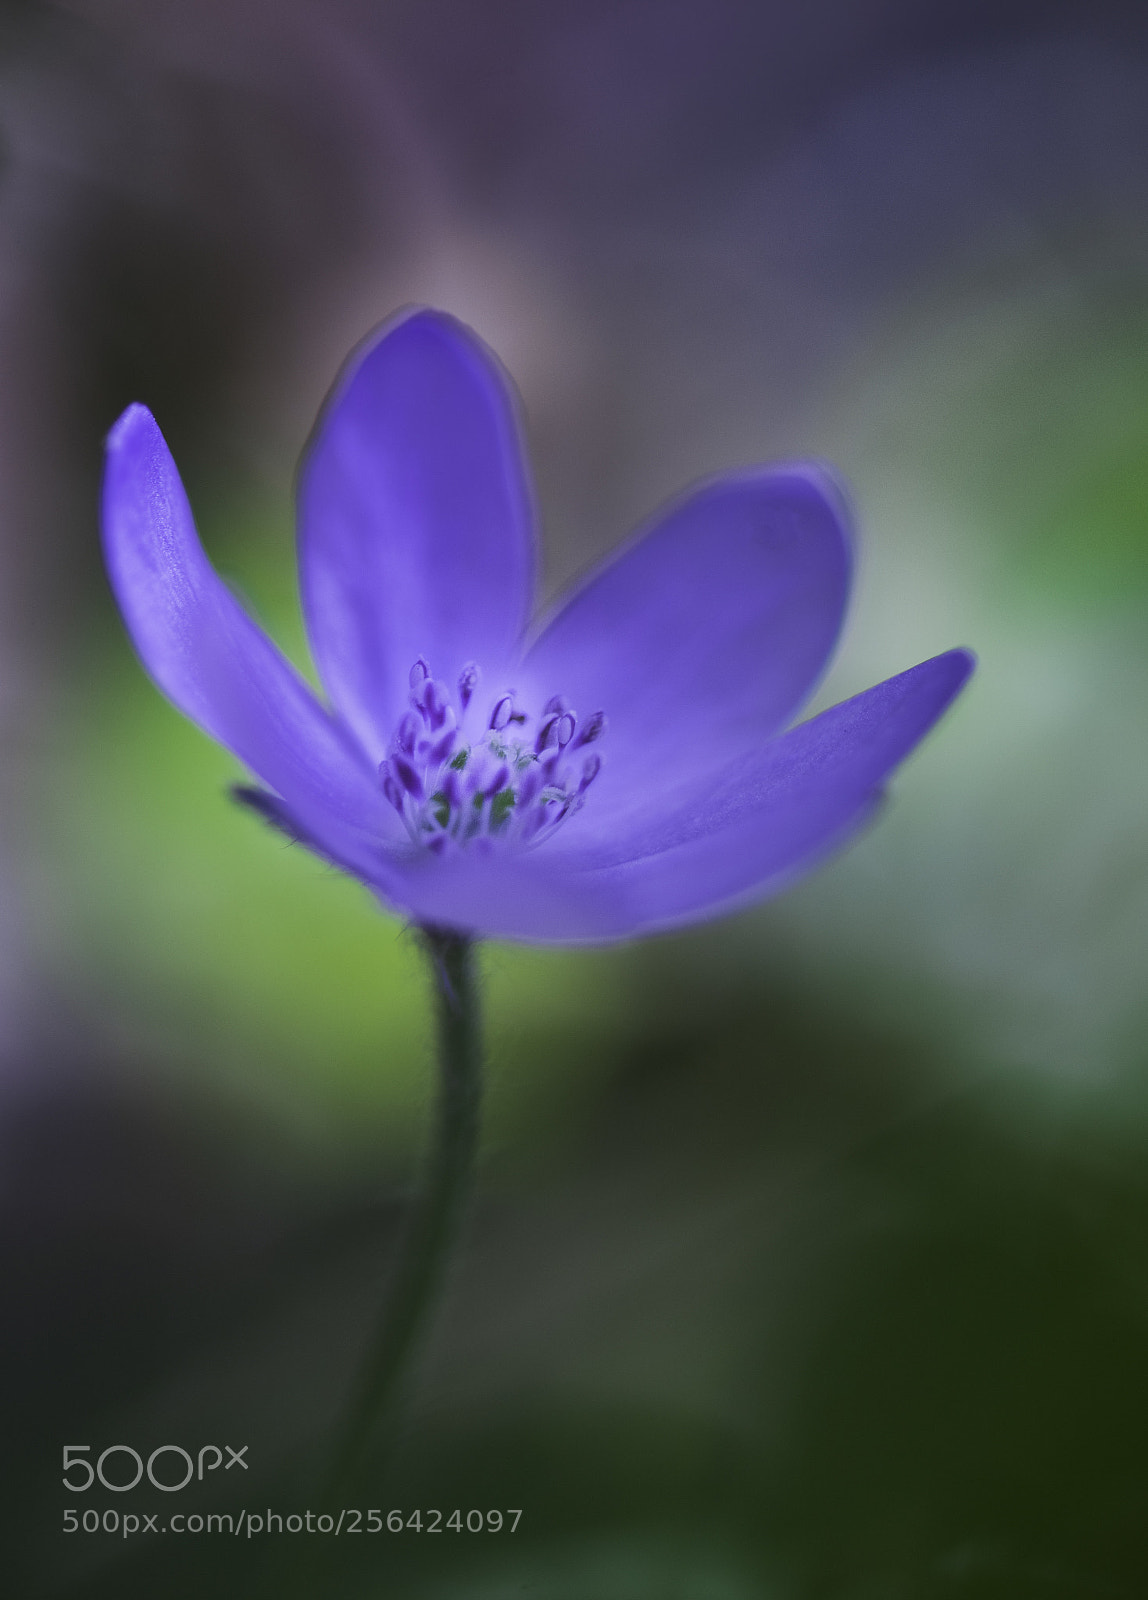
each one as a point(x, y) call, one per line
point(468, 682)
point(439, 752)
point(530, 785)
point(591, 729)
point(407, 776)
point(499, 781)
point(408, 732)
point(502, 713)
point(513, 784)
point(435, 703)
point(452, 788)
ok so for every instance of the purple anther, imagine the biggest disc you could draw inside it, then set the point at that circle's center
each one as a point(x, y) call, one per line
point(452, 788)
point(530, 785)
point(499, 781)
point(592, 729)
point(557, 703)
point(419, 672)
point(533, 824)
point(407, 776)
point(475, 772)
point(547, 733)
point(591, 767)
point(564, 729)
point(467, 682)
point(502, 713)
point(441, 750)
point(435, 702)
point(391, 789)
point(407, 733)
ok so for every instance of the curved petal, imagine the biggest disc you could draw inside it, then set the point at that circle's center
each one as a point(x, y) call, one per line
point(521, 897)
point(703, 637)
point(416, 525)
point(208, 657)
point(769, 818)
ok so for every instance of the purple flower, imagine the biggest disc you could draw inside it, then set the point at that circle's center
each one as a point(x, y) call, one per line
point(621, 767)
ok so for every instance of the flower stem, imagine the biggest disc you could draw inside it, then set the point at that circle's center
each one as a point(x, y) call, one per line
point(437, 1219)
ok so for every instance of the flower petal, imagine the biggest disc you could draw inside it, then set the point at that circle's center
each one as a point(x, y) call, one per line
point(704, 636)
point(774, 814)
point(505, 895)
point(770, 817)
point(207, 655)
point(416, 524)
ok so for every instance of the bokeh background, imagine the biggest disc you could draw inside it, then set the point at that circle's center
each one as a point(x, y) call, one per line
point(811, 1255)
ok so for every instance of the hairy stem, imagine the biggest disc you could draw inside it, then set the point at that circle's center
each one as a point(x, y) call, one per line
point(436, 1222)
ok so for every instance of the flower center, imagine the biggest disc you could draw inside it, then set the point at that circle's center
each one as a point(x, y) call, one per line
point(456, 773)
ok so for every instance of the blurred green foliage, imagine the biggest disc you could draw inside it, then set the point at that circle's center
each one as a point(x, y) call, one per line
point(1024, 410)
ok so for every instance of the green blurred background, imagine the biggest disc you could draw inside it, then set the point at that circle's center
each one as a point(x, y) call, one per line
point(810, 1258)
